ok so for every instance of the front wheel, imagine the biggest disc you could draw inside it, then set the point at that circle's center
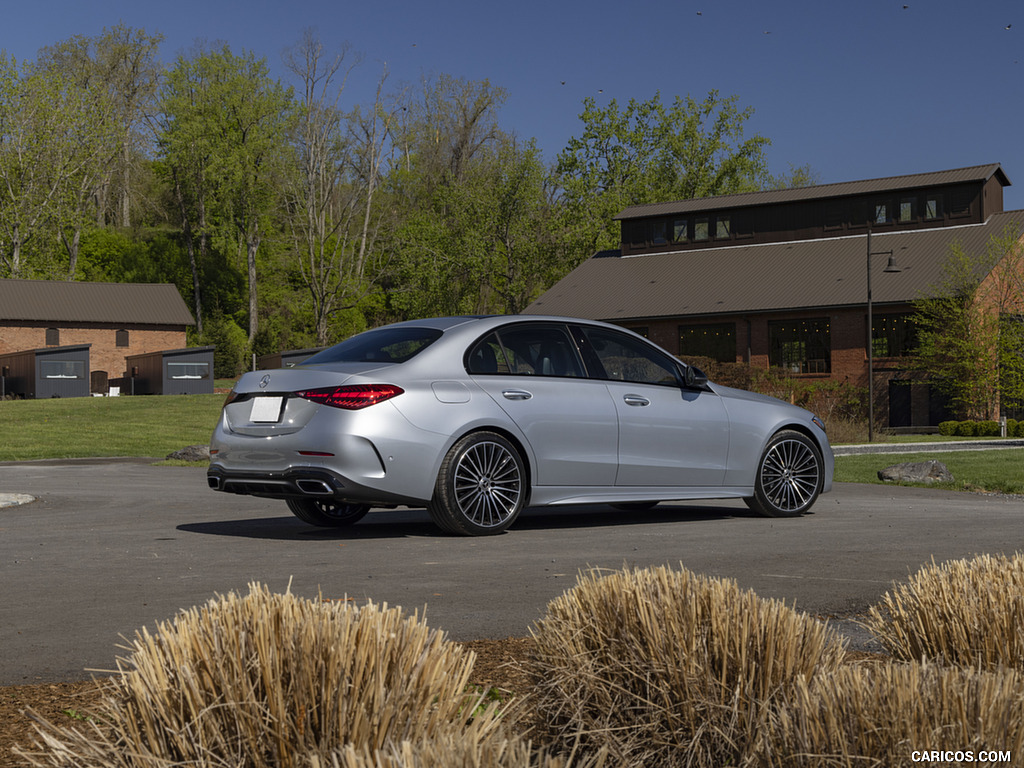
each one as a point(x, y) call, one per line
point(481, 487)
point(789, 478)
point(327, 513)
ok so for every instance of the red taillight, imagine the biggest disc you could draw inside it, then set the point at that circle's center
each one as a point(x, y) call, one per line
point(352, 398)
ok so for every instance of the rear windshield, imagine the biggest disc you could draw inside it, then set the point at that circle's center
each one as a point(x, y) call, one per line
point(384, 345)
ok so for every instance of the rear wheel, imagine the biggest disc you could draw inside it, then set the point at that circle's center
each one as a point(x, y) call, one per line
point(789, 477)
point(327, 513)
point(481, 487)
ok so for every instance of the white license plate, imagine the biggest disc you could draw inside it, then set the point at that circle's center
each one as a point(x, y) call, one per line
point(266, 410)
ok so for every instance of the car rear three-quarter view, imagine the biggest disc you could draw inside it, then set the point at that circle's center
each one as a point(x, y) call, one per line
point(476, 418)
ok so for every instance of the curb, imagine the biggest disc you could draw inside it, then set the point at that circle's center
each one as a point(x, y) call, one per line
point(956, 445)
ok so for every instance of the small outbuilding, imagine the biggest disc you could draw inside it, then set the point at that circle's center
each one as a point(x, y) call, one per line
point(45, 373)
point(171, 372)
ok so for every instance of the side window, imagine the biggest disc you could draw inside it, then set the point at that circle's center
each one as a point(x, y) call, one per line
point(625, 358)
point(487, 356)
point(540, 350)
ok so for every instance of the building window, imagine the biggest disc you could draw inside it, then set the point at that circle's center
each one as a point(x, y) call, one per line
point(800, 346)
point(960, 203)
point(723, 230)
point(882, 215)
point(658, 232)
point(893, 335)
point(121, 338)
point(680, 230)
point(933, 207)
point(907, 212)
point(185, 371)
point(700, 230)
point(52, 337)
point(835, 216)
point(717, 341)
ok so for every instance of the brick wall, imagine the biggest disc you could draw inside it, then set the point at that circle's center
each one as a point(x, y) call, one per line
point(104, 355)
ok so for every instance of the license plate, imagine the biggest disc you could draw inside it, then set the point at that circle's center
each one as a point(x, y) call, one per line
point(266, 410)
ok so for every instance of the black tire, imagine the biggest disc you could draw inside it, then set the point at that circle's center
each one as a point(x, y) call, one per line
point(481, 486)
point(789, 476)
point(327, 513)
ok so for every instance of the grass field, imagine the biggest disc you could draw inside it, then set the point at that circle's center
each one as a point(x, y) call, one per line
point(156, 425)
point(105, 426)
point(999, 470)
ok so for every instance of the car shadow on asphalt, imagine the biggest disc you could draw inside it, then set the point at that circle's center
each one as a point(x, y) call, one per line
point(416, 523)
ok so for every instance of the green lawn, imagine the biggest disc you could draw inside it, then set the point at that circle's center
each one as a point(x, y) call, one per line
point(1000, 470)
point(105, 426)
point(83, 427)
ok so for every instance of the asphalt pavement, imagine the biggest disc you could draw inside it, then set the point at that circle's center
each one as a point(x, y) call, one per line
point(109, 547)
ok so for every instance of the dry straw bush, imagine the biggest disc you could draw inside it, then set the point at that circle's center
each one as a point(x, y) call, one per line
point(666, 668)
point(965, 612)
point(455, 752)
point(876, 715)
point(270, 679)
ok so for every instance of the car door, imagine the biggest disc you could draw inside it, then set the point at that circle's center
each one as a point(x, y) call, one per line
point(534, 373)
point(668, 435)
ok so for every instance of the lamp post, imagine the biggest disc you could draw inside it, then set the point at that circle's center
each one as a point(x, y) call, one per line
point(890, 267)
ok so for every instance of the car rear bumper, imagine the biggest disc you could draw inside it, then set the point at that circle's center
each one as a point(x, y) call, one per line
point(298, 482)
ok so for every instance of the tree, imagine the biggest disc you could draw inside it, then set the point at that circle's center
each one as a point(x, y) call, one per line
point(119, 66)
point(650, 152)
point(223, 138)
point(330, 196)
point(185, 145)
point(970, 329)
point(52, 134)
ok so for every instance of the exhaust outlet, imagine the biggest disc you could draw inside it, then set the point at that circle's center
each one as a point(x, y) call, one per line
point(314, 487)
point(213, 482)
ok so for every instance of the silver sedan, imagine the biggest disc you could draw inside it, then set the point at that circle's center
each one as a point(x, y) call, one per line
point(478, 417)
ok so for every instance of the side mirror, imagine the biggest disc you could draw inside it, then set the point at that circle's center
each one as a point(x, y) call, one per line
point(694, 378)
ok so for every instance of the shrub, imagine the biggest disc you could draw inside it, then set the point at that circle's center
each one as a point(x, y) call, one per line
point(966, 612)
point(877, 715)
point(653, 664)
point(269, 680)
point(948, 428)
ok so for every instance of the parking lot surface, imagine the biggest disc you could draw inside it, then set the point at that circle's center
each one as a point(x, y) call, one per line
point(108, 547)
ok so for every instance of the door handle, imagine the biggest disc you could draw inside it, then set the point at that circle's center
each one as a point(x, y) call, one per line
point(516, 394)
point(636, 400)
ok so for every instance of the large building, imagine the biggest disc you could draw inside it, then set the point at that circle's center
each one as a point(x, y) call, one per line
point(780, 278)
point(114, 320)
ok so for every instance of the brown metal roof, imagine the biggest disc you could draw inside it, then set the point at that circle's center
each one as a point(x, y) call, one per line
point(773, 277)
point(60, 301)
point(820, 191)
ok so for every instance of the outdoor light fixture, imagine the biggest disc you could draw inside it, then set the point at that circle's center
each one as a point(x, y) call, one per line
point(890, 267)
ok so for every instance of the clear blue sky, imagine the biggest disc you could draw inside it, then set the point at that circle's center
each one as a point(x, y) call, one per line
point(855, 90)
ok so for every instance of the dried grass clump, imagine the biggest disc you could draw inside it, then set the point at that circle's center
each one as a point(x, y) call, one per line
point(454, 752)
point(270, 679)
point(965, 612)
point(875, 716)
point(666, 667)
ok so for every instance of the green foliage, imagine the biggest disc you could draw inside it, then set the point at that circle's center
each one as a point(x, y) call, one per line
point(986, 428)
point(970, 334)
point(230, 358)
point(302, 219)
point(652, 152)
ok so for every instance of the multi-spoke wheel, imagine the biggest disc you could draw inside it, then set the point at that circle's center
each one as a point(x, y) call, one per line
point(327, 513)
point(789, 476)
point(481, 488)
